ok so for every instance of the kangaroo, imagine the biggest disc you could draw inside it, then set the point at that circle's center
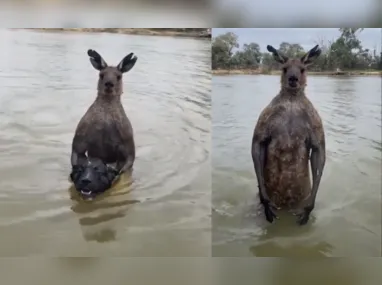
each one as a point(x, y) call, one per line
point(104, 132)
point(289, 132)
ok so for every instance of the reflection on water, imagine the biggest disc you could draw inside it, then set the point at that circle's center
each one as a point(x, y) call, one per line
point(99, 271)
point(185, 271)
point(163, 208)
point(266, 246)
point(191, 271)
point(347, 217)
point(97, 217)
point(278, 271)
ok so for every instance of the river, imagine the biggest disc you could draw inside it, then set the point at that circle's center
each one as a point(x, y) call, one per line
point(48, 83)
point(347, 218)
point(191, 271)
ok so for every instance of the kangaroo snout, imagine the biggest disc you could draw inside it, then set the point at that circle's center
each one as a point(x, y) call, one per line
point(109, 84)
point(293, 80)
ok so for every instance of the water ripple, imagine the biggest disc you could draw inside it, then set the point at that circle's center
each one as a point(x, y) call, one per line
point(47, 85)
point(348, 200)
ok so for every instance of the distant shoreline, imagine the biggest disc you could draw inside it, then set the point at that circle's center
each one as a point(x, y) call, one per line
point(276, 72)
point(130, 31)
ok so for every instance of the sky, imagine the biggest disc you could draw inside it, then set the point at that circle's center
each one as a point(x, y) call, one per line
point(307, 37)
point(294, 12)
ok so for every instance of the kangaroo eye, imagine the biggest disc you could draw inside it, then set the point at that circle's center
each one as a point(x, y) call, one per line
point(302, 70)
point(119, 77)
point(101, 76)
point(285, 69)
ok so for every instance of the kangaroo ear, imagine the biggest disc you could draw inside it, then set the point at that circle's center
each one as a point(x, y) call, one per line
point(277, 55)
point(127, 63)
point(311, 55)
point(96, 60)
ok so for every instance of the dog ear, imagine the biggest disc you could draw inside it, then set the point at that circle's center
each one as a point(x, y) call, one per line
point(76, 173)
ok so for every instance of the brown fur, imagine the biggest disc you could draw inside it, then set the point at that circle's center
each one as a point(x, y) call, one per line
point(290, 121)
point(104, 131)
point(288, 128)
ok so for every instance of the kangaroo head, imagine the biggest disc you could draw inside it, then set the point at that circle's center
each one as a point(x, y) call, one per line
point(293, 75)
point(110, 77)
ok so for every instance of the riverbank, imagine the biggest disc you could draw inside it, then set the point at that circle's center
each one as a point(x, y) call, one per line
point(193, 33)
point(277, 72)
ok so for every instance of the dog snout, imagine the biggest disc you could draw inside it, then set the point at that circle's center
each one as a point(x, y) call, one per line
point(85, 179)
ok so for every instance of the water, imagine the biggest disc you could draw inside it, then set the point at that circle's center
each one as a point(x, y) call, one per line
point(99, 271)
point(295, 271)
point(48, 83)
point(191, 271)
point(347, 217)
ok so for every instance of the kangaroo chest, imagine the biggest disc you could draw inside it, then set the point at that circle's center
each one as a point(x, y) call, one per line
point(107, 134)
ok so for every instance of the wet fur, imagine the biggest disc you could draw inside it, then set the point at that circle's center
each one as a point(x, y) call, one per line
point(101, 176)
point(104, 131)
point(288, 129)
point(289, 122)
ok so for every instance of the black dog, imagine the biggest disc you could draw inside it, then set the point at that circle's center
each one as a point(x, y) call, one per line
point(92, 178)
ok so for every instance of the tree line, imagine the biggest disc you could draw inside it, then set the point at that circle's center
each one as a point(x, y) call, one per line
point(344, 53)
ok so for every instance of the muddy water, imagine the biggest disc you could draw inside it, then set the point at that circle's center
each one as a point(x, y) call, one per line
point(98, 271)
point(347, 217)
point(191, 271)
point(294, 271)
point(47, 83)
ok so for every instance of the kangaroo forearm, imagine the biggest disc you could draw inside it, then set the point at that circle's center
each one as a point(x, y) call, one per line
point(258, 156)
point(77, 158)
point(126, 164)
point(317, 163)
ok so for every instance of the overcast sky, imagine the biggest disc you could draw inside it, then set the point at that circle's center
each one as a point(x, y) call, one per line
point(296, 12)
point(307, 38)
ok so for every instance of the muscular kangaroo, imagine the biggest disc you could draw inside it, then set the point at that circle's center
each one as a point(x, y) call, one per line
point(104, 134)
point(289, 133)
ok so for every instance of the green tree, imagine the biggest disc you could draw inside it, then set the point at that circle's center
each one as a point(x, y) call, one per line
point(346, 51)
point(291, 50)
point(268, 63)
point(222, 50)
point(252, 55)
point(248, 58)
